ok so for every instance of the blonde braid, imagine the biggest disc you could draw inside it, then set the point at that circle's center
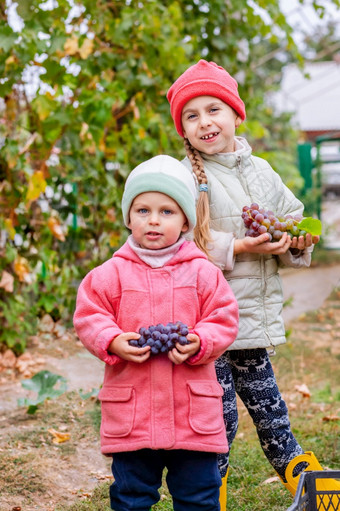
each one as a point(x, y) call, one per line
point(202, 236)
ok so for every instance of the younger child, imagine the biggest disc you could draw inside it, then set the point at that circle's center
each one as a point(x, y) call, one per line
point(160, 410)
point(207, 109)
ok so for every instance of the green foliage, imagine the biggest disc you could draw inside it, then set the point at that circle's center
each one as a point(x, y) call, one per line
point(18, 316)
point(43, 383)
point(311, 225)
point(69, 139)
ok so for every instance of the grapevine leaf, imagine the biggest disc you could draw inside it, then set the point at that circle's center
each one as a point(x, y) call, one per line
point(311, 225)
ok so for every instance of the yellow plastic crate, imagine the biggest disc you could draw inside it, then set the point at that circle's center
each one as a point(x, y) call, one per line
point(313, 493)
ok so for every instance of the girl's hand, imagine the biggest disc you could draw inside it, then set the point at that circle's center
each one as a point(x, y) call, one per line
point(261, 245)
point(181, 353)
point(300, 243)
point(120, 346)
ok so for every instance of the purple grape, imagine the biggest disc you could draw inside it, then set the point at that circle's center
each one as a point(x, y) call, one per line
point(182, 340)
point(141, 340)
point(170, 345)
point(259, 218)
point(262, 229)
point(277, 235)
point(162, 338)
point(259, 221)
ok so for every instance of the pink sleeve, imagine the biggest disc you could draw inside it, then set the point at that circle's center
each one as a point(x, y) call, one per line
point(218, 326)
point(94, 318)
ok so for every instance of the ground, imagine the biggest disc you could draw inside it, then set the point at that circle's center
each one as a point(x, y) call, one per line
point(52, 458)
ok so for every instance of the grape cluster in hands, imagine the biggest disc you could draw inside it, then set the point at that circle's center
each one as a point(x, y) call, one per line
point(259, 221)
point(161, 338)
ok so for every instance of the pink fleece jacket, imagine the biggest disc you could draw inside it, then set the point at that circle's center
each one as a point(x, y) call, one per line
point(157, 404)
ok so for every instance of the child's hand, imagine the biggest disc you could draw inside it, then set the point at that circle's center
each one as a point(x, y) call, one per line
point(300, 243)
point(180, 353)
point(261, 245)
point(120, 346)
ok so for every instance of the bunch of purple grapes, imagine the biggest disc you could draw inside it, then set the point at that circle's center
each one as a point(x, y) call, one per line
point(161, 338)
point(259, 221)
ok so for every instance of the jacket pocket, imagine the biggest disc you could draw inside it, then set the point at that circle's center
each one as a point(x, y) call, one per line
point(118, 410)
point(205, 412)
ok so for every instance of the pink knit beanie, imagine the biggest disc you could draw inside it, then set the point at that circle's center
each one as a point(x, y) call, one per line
point(203, 79)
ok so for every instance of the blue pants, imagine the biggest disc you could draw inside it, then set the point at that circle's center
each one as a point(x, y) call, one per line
point(193, 480)
point(250, 374)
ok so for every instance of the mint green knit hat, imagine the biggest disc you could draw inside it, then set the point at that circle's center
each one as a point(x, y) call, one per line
point(166, 175)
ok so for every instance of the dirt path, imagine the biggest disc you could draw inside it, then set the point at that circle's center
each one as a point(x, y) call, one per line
point(308, 288)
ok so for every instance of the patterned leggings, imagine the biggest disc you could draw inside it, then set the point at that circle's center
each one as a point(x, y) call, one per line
point(250, 374)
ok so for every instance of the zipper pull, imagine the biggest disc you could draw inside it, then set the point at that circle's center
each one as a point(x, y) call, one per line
point(238, 163)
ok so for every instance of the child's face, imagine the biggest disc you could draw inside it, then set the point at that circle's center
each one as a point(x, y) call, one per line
point(209, 124)
point(156, 220)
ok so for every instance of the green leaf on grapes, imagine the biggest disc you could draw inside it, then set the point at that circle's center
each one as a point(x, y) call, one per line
point(311, 225)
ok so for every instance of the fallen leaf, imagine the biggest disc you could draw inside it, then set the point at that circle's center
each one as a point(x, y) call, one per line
point(7, 281)
point(270, 480)
point(330, 418)
point(59, 437)
point(303, 389)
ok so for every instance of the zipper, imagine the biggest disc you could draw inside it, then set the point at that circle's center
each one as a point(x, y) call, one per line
point(240, 176)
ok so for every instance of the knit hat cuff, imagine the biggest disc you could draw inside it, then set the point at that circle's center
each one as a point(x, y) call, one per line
point(163, 183)
point(204, 88)
point(203, 79)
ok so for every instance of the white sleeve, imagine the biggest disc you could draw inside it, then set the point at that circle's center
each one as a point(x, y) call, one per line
point(221, 249)
point(302, 259)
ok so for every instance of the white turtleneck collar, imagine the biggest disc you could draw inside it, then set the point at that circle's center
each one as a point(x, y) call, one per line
point(155, 258)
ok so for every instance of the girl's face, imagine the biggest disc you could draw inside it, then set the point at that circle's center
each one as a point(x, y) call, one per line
point(209, 124)
point(156, 220)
